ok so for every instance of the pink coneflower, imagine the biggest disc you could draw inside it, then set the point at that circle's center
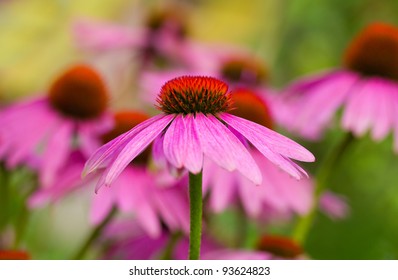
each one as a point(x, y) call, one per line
point(278, 191)
point(243, 70)
point(70, 117)
point(160, 41)
point(195, 124)
point(366, 87)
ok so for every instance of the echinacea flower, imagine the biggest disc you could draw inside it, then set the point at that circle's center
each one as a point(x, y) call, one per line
point(278, 192)
point(160, 41)
point(366, 87)
point(47, 129)
point(195, 124)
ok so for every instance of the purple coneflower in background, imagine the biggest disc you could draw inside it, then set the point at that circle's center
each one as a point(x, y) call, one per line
point(47, 129)
point(160, 41)
point(366, 86)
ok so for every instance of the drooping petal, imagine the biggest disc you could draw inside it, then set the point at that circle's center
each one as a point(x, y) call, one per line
point(272, 145)
point(364, 108)
point(224, 148)
point(194, 156)
point(56, 152)
point(175, 142)
point(259, 135)
point(137, 141)
point(101, 205)
point(223, 187)
point(108, 151)
point(384, 94)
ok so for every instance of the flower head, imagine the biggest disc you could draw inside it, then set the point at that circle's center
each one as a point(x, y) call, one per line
point(192, 95)
point(248, 105)
point(79, 93)
point(49, 129)
point(374, 52)
point(242, 69)
point(195, 125)
point(366, 89)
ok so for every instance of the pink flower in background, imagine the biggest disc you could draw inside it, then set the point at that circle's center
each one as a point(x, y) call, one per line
point(278, 192)
point(160, 41)
point(195, 124)
point(366, 88)
point(47, 129)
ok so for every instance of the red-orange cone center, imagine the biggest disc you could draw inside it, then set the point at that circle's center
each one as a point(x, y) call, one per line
point(374, 52)
point(79, 93)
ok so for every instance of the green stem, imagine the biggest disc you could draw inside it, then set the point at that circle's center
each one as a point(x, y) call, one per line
point(95, 233)
point(4, 197)
point(242, 223)
point(196, 203)
point(305, 223)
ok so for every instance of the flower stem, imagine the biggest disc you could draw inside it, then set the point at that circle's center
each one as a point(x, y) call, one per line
point(95, 233)
point(305, 223)
point(4, 197)
point(195, 203)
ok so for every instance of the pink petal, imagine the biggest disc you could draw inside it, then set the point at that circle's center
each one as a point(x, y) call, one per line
point(335, 206)
point(56, 152)
point(224, 148)
point(194, 156)
point(352, 108)
point(226, 254)
point(137, 142)
point(101, 36)
point(270, 144)
point(223, 187)
point(101, 205)
point(259, 135)
point(106, 153)
point(383, 119)
point(175, 142)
